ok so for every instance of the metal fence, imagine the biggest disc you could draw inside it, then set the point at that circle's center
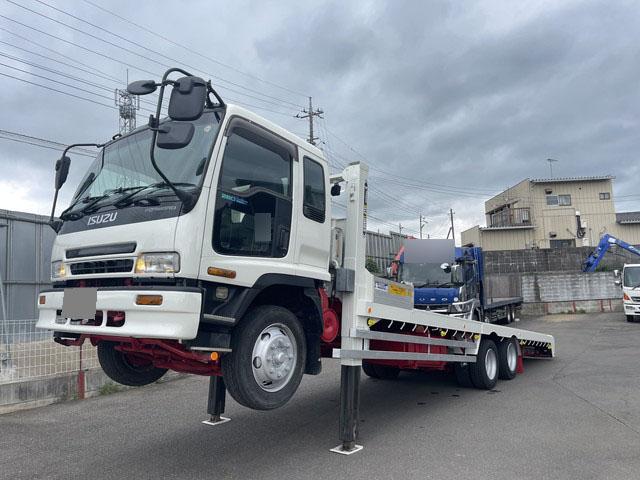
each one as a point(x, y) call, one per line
point(383, 248)
point(26, 353)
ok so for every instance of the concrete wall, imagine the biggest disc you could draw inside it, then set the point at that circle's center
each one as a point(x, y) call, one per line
point(564, 287)
point(38, 392)
point(552, 260)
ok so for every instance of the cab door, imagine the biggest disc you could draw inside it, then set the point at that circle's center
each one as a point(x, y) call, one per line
point(249, 219)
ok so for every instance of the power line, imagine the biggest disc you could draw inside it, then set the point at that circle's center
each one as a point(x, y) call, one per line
point(145, 48)
point(57, 53)
point(193, 51)
point(44, 143)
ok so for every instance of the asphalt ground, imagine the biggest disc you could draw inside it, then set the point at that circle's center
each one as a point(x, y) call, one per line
point(576, 416)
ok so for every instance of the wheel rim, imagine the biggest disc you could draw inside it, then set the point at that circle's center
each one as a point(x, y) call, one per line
point(491, 363)
point(512, 357)
point(274, 357)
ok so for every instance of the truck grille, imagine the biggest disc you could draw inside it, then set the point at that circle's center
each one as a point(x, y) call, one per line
point(102, 266)
point(636, 299)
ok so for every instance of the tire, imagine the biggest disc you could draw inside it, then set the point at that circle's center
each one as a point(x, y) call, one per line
point(630, 318)
point(507, 359)
point(512, 314)
point(484, 372)
point(266, 335)
point(384, 372)
point(463, 375)
point(121, 369)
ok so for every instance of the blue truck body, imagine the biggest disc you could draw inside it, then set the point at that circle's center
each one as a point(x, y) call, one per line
point(466, 296)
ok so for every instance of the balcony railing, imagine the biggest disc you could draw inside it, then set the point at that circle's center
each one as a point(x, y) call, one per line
point(511, 217)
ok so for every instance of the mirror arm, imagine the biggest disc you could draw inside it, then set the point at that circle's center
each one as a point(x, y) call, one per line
point(187, 199)
point(57, 224)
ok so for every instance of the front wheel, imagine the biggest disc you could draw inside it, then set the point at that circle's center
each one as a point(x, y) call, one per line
point(127, 369)
point(484, 372)
point(630, 318)
point(267, 358)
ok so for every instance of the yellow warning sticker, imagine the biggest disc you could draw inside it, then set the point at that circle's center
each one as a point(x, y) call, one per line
point(397, 290)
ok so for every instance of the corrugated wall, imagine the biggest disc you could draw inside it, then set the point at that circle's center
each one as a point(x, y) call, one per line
point(25, 259)
point(383, 248)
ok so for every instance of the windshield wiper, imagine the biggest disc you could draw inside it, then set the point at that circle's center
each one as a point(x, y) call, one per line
point(123, 202)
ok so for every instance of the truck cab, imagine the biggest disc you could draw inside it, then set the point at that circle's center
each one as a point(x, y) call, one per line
point(198, 243)
point(630, 283)
point(449, 284)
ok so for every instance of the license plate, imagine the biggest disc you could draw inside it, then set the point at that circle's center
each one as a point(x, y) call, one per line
point(79, 303)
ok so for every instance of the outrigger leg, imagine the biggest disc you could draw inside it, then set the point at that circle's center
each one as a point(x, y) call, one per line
point(215, 404)
point(349, 410)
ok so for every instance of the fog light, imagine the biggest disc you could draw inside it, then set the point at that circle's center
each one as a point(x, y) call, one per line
point(149, 300)
point(222, 293)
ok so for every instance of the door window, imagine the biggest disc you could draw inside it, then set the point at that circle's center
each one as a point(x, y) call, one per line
point(253, 204)
point(314, 194)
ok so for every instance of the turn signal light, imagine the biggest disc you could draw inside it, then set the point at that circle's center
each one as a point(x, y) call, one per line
point(43, 299)
point(626, 297)
point(221, 272)
point(149, 300)
point(214, 355)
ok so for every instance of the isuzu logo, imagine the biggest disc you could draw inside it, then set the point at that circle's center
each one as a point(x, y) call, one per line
point(104, 218)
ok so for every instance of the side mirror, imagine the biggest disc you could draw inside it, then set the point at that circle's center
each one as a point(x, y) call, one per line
point(142, 87)
point(616, 273)
point(446, 267)
point(335, 190)
point(62, 171)
point(389, 272)
point(187, 99)
point(173, 135)
point(617, 282)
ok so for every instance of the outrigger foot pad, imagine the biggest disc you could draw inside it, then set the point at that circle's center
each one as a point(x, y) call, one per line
point(216, 420)
point(347, 449)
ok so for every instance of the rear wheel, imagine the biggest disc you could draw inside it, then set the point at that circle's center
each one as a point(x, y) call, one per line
point(127, 369)
point(267, 358)
point(508, 359)
point(463, 375)
point(374, 370)
point(512, 314)
point(484, 372)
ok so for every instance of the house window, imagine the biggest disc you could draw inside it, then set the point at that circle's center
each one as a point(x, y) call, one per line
point(560, 200)
point(605, 196)
point(563, 243)
point(564, 200)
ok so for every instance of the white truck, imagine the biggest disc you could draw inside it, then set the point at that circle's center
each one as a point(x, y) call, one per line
point(203, 243)
point(630, 283)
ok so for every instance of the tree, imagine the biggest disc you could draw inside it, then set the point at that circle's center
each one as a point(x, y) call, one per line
point(371, 265)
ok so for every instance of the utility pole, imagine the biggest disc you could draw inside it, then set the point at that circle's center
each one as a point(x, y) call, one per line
point(451, 230)
point(423, 222)
point(551, 160)
point(310, 114)
point(400, 228)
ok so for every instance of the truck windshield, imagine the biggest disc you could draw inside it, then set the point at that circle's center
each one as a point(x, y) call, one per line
point(125, 165)
point(423, 274)
point(632, 277)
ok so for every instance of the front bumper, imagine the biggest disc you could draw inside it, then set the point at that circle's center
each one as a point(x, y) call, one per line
point(632, 308)
point(177, 318)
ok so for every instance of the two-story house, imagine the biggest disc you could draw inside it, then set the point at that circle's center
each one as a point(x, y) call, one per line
point(553, 213)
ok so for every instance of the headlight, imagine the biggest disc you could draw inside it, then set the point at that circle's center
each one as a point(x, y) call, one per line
point(57, 270)
point(150, 263)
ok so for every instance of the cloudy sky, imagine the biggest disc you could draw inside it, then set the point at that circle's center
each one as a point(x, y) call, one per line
point(462, 99)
